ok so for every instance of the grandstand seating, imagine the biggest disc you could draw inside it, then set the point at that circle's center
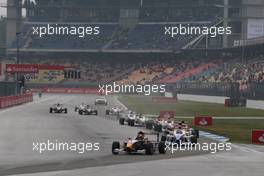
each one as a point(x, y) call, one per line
point(250, 71)
point(70, 41)
point(188, 73)
point(149, 37)
point(142, 36)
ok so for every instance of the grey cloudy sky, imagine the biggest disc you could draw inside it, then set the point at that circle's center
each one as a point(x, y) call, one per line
point(2, 10)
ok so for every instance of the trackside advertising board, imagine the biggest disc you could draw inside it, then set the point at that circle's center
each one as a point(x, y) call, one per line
point(258, 137)
point(167, 114)
point(38, 73)
point(21, 68)
point(203, 121)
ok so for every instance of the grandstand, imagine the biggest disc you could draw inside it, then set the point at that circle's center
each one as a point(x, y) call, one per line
point(134, 26)
point(132, 47)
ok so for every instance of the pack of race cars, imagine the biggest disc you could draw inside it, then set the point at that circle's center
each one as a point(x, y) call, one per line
point(172, 132)
point(86, 109)
point(169, 132)
point(82, 109)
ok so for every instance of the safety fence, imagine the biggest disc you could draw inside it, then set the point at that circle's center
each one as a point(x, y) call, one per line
point(9, 101)
point(66, 90)
point(253, 91)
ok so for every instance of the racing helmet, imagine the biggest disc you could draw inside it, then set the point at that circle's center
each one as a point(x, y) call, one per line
point(141, 134)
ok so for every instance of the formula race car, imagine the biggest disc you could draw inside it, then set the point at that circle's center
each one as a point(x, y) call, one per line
point(113, 111)
point(160, 124)
point(140, 145)
point(133, 119)
point(163, 124)
point(58, 108)
point(181, 136)
point(128, 117)
point(84, 109)
point(100, 101)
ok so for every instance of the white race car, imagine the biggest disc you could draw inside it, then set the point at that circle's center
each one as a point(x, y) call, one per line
point(58, 108)
point(127, 117)
point(100, 101)
point(113, 111)
point(84, 109)
point(133, 119)
point(162, 124)
point(142, 120)
point(181, 137)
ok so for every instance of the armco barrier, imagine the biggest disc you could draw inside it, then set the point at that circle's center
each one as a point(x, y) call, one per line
point(9, 101)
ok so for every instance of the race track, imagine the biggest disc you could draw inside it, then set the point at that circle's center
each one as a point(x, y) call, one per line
point(24, 125)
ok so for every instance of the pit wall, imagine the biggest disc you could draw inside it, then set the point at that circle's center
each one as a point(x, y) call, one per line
point(254, 104)
point(16, 100)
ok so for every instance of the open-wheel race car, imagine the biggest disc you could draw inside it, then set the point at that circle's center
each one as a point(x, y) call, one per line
point(128, 118)
point(181, 136)
point(58, 108)
point(139, 145)
point(160, 124)
point(100, 101)
point(132, 119)
point(113, 111)
point(84, 109)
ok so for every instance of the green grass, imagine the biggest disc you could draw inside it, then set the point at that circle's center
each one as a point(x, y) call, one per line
point(144, 105)
point(238, 130)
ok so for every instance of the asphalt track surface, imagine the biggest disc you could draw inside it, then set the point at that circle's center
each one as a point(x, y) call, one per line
point(241, 161)
point(24, 125)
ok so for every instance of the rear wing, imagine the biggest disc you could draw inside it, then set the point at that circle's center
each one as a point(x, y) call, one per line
point(153, 134)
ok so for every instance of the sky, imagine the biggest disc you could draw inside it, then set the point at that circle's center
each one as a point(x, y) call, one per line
point(2, 10)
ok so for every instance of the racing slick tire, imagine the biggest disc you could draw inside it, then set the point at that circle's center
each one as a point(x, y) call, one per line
point(149, 149)
point(193, 140)
point(121, 121)
point(157, 128)
point(96, 112)
point(162, 148)
point(107, 112)
point(51, 110)
point(132, 122)
point(80, 112)
point(149, 125)
point(163, 138)
point(65, 111)
point(196, 133)
point(115, 145)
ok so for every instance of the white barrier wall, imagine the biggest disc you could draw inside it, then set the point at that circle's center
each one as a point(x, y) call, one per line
point(202, 98)
point(255, 104)
point(218, 99)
